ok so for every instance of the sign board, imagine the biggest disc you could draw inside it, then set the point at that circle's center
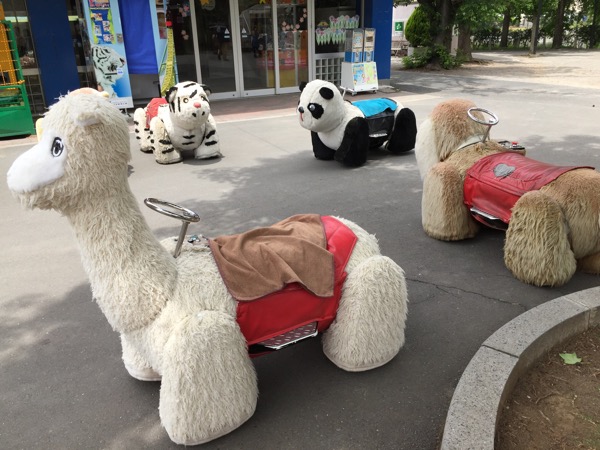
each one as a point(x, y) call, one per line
point(399, 26)
point(108, 51)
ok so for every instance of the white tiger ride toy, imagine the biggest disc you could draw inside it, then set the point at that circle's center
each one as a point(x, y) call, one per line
point(179, 122)
point(192, 312)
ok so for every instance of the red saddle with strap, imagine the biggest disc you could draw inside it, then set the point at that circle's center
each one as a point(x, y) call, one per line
point(294, 306)
point(493, 184)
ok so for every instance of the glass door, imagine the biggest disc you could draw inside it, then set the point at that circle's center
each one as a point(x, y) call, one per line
point(262, 49)
point(215, 49)
point(257, 47)
point(292, 25)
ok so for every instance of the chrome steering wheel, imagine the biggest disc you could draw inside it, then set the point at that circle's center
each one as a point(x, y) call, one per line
point(490, 122)
point(186, 216)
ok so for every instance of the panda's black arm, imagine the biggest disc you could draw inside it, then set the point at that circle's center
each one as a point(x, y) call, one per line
point(355, 144)
point(320, 150)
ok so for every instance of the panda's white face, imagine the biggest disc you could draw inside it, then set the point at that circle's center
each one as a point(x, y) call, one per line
point(321, 106)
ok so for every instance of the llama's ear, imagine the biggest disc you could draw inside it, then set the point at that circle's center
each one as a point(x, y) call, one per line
point(85, 115)
point(39, 128)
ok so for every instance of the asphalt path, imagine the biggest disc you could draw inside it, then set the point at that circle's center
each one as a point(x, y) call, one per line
point(62, 381)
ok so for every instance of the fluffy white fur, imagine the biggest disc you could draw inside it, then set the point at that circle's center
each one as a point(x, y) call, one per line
point(552, 231)
point(185, 123)
point(176, 319)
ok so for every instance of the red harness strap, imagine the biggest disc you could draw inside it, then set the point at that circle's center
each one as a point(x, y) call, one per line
point(293, 306)
point(495, 183)
point(152, 109)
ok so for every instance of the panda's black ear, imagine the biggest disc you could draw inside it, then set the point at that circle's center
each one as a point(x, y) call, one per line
point(326, 93)
point(302, 85)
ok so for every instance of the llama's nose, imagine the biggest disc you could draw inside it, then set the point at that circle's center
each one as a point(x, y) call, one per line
point(300, 109)
point(197, 104)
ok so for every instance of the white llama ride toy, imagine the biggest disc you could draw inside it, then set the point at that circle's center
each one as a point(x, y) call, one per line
point(178, 123)
point(192, 312)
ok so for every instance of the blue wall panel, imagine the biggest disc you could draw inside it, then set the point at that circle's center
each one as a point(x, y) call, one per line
point(378, 15)
point(53, 47)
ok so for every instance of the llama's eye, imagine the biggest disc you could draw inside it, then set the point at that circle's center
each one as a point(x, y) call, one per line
point(57, 147)
point(185, 100)
point(311, 107)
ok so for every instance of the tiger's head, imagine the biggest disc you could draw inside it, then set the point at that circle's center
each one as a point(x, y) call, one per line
point(188, 104)
point(107, 64)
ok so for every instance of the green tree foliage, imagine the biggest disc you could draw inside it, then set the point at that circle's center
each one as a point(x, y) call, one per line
point(418, 28)
point(498, 23)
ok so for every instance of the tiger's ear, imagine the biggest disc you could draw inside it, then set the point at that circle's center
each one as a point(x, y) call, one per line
point(207, 90)
point(171, 93)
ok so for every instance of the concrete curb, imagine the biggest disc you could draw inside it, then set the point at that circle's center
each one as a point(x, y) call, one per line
point(507, 354)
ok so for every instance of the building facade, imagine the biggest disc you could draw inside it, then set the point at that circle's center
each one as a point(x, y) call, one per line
point(239, 48)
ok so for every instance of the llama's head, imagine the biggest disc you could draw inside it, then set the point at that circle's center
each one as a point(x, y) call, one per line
point(82, 154)
point(188, 104)
point(321, 106)
point(444, 131)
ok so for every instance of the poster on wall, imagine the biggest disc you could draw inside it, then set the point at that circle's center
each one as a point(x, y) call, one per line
point(108, 51)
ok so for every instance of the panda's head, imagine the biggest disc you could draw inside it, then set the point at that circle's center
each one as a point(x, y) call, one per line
point(321, 106)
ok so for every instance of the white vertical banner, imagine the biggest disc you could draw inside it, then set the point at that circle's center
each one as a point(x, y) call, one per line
point(108, 50)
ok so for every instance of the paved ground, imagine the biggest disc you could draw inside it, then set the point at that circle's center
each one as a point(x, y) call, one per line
point(62, 383)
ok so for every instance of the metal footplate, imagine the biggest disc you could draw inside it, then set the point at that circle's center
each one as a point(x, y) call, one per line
point(488, 219)
point(291, 337)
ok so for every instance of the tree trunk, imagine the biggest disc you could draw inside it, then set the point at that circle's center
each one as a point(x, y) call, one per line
point(505, 26)
point(464, 43)
point(557, 38)
point(535, 29)
point(594, 37)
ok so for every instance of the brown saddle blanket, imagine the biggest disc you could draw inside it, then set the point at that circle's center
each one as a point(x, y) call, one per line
point(264, 260)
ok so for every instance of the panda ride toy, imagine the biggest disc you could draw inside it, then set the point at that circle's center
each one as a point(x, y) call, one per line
point(345, 131)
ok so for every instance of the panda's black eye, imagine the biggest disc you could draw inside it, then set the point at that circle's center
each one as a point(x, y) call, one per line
point(311, 107)
point(185, 99)
point(57, 147)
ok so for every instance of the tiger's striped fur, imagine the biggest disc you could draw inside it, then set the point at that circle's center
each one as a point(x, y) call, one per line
point(182, 123)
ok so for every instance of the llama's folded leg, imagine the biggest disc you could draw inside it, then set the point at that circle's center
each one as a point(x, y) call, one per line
point(142, 130)
point(590, 264)
point(369, 328)
point(443, 212)
point(210, 147)
point(164, 151)
point(537, 249)
point(209, 385)
point(137, 366)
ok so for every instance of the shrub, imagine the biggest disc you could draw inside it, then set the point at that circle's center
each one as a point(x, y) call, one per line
point(439, 53)
point(418, 28)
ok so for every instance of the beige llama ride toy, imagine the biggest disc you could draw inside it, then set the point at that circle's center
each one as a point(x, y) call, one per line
point(178, 319)
point(551, 214)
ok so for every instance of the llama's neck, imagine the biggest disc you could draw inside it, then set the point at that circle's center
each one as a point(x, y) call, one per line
point(131, 274)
